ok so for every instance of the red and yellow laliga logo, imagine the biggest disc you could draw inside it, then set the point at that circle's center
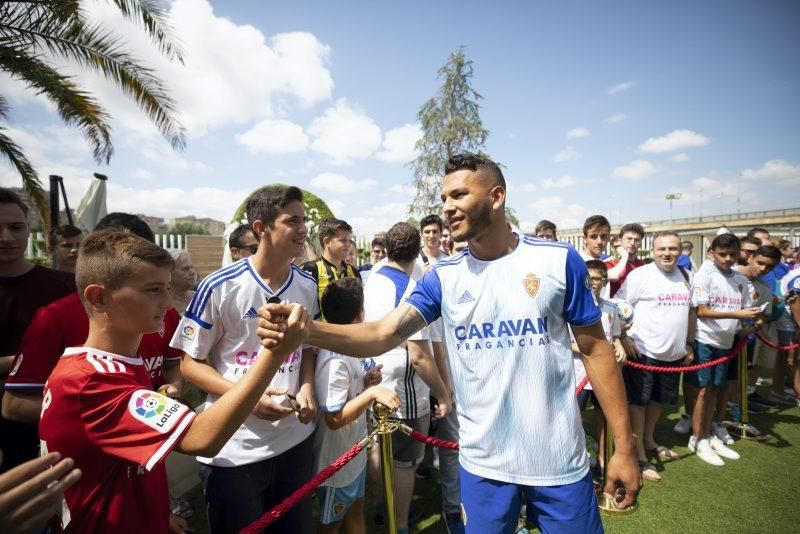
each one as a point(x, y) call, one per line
point(531, 283)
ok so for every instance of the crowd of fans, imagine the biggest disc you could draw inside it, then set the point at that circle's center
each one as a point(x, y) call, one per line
point(256, 445)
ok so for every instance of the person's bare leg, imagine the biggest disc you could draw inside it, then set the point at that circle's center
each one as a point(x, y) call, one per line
point(699, 407)
point(796, 371)
point(600, 430)
point(354, 519)
point(779, 372)
point(637, 427)
point(375, 477)
point(709, 405)
point(404, 489)
point(722, 400)
point(333, 528)
point(651, 414)
point(689, 397)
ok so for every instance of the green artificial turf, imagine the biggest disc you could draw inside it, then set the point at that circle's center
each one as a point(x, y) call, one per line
point(758, 493)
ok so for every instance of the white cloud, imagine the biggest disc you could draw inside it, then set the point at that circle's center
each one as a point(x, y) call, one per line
point(578, 132)
point(558, 183)
point(521, 188)
point(160, 152)
point(555, 209)
point(680, 157)
point(274, 136)
point(367, 220)
point(620, 87)
point(617, 117)
point(143, 174)
point(339, 183)
point(398, 144)
point(403, 189)
point(676, 140)
point(634, 171)
point(232, 73)
point(567, 154)
point(776, 171)
point(344, 134)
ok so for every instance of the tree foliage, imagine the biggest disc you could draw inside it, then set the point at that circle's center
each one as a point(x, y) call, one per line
point(37, 37)
point(451, 123)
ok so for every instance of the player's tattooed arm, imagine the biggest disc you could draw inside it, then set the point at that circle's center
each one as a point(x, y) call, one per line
point(408, 323)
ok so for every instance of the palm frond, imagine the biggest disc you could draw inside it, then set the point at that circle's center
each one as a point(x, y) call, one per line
point(152, 16)
point(30, 178)
point(74, 106)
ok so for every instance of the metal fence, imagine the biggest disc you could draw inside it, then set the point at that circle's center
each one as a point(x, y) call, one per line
point(37, 248)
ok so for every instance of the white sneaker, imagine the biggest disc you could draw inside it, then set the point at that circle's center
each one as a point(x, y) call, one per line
point(684, 425)
point(693, 443)
point(722, 450)
point(719, 430)
point(706, 453)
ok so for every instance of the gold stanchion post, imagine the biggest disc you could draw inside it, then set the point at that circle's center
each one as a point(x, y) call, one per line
point(385, 429)
point(745, 430)
point(607, 502)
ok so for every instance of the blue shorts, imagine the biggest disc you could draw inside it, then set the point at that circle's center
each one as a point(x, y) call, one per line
point(710, 376)
point(335, 502)
point(492, 506)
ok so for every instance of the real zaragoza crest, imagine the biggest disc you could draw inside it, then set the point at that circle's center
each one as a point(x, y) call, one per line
point(531, 283)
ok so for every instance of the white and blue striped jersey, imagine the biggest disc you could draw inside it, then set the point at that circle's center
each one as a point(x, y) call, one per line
point(220, 326)
point(384, 290)
point(508, 343)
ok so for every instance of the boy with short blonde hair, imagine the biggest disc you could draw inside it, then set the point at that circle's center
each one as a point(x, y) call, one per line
point(98, 407)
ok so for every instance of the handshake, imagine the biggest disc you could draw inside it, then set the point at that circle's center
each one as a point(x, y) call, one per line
point(283, 325)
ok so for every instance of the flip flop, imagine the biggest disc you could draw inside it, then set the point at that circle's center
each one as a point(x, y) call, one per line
point(649, 471)
point(664, 453)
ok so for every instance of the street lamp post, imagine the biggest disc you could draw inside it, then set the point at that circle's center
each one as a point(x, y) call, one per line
point(671, 197)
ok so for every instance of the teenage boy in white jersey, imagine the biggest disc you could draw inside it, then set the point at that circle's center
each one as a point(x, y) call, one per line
point(409, 370)
point(506, 305)
point(270, 455)
point(662, 335)
point(722, 301)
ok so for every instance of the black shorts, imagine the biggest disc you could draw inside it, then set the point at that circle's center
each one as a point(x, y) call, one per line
point(646, 386)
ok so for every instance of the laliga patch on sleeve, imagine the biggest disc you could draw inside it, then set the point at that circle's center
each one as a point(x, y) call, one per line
point(155, 410)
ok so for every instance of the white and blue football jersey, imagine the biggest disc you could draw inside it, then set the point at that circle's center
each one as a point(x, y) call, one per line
point(220, 326)
point(508, 343)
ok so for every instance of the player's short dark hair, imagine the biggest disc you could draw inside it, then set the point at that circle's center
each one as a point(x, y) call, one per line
point(7, 196)
point(264, 204)
point(378, 242)
point(595, 220)
point(476, 163)
point(237, 236)
point(543, 225)
point(750, 240)
point(726, 241)
point(429, 220)
point(343, 300)
point(402, 242)
point(62, 231)
point(328, 228)
point(110, 257)
point(597, 265)
point(754, 231)
point(118, 220)
point(634, 228)
point(768, 251)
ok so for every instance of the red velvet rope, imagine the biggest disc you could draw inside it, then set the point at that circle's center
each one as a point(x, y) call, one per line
point(775, 346)
point(689, 368)
point(301, 493)
point(430, 440)
point(581, 386)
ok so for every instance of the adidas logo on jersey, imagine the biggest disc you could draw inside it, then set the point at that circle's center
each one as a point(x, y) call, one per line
point(466, 297)
point(250, 314)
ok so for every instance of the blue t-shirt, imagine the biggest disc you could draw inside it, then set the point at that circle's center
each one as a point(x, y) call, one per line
point(685, 262)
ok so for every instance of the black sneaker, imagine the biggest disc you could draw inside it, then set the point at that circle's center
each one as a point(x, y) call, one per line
point(755, 398)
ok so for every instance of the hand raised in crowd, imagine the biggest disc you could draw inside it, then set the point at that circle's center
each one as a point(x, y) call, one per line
point(305, 400)
point(373, 377)
point(272, 323)
point(442, 408)
point(749, 314)
point(619, 352)
point(630, 348)
point(31, 493)
point(270, 410)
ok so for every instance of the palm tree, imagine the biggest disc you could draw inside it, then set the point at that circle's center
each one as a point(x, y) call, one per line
point(35, 34)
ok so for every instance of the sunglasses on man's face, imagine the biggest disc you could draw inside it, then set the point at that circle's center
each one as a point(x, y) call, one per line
point(252, 248)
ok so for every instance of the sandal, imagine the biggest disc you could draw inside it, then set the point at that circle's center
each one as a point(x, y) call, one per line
point(664, 453)
point(649, 471)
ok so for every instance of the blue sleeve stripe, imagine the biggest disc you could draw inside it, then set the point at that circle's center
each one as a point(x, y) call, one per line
point(399, 279)
point(454, 260)
point(580, 308)
point(534, 242)
point(427, 296)
point(301, 272)
point(200, 299)
point(193, 317)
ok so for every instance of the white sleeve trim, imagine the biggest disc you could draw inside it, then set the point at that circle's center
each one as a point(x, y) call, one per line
point(169, 443)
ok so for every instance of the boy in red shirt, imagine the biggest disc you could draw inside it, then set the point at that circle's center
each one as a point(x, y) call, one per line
point(99, 410)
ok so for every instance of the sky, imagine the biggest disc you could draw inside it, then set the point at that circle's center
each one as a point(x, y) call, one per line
point(592, 107)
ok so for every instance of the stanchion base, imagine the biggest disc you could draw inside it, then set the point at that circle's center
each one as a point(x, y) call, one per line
point(608, 505)
point(746, 431)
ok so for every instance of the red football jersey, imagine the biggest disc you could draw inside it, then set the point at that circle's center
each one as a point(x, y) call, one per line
point(615, 285)
point(63, 324)
point(98, 409)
